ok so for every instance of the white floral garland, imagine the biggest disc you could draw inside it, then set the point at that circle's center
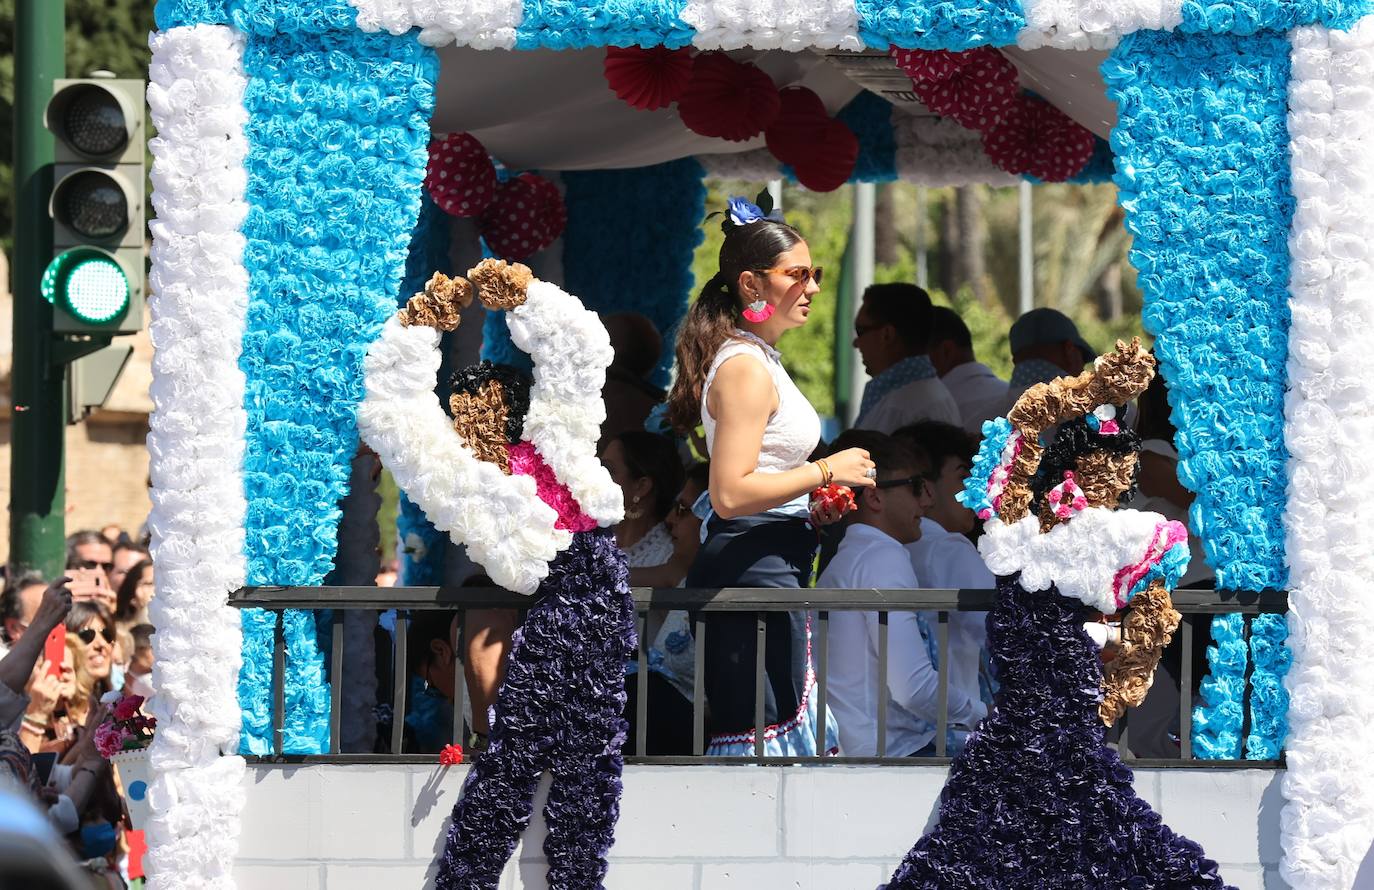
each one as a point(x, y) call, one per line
point(480, 24)
point(939, 152)
point(1328, 821)
point(1080, 557)
point(756, 165)
point(508, 530)
point(774, 24)
point(1094, 24)
point(199, 300)
point(571, 352)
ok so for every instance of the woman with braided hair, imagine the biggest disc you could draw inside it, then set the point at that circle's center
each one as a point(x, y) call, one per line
point(1036, 798)
point(515, 477)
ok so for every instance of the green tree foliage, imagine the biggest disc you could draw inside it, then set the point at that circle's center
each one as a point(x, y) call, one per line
point(110, 35)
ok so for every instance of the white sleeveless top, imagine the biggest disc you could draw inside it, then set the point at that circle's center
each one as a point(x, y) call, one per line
point(793, 431)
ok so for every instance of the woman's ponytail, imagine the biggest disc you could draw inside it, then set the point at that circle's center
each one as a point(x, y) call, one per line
point(715, 314)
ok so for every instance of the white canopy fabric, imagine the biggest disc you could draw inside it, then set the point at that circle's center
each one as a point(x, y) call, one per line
point(548, 110)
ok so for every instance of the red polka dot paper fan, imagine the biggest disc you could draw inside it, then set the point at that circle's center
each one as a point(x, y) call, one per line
point(834, 151)
point(460, 176)
point(978, 95)
point(801, 117)
point(1039, 139)
point(648, 78)
point(527, 216)
point(727, 99)
point(927, 65)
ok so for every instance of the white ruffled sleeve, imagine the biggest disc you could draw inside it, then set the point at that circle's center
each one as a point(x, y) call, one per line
point(571, 351)
point(508, 530)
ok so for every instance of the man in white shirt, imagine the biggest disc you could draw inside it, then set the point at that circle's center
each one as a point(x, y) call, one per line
point(873, 554)
point(892, 334)
point(977, 391)
point(944, 557)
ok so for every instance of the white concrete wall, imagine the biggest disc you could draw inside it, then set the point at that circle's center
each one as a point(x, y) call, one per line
point(694, 828)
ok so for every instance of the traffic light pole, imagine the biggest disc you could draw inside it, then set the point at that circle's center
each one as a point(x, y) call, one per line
point(37, 390)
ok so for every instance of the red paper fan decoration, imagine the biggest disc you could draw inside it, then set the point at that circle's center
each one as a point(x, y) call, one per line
point(727, 99)
point(1039, 139)
point(648, 78)
point(799, 122)
point(831, 159)
point(460, 176)
point(978, 95)
point(527, 216)
point(930, 65)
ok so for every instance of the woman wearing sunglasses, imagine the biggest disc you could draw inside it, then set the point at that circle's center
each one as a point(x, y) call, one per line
point(91, 623)
point(760, 432)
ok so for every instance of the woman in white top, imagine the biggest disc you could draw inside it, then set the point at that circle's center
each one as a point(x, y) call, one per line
point(760, 432)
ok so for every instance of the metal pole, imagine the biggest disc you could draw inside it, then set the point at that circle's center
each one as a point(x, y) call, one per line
point(38, 394)
point(861, 259)
point(775, 192)
point(1027, 252)
point(922, 270)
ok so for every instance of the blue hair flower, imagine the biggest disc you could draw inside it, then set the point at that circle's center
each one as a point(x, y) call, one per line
point(743, 212)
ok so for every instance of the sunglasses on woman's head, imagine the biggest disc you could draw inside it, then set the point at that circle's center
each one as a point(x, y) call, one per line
point(87, 635)
point(800, 274)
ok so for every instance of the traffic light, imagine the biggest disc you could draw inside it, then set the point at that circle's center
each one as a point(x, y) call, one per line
point(95, 280)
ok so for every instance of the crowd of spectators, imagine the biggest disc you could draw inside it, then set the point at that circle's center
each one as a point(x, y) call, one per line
point(69, 642)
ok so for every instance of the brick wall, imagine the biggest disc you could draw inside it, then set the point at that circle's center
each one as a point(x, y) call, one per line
point(694, 828)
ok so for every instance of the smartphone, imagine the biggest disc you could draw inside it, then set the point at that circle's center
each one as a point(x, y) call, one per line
point(42, 765)
point(55, 650)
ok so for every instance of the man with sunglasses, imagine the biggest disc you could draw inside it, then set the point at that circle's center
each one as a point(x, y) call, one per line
point(892, 333)
point(873, 554)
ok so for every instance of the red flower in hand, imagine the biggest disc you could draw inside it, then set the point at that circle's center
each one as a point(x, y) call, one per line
point(833, 496)
point(452, 755)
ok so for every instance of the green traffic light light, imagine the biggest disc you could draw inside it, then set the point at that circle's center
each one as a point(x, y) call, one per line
point(89, 284)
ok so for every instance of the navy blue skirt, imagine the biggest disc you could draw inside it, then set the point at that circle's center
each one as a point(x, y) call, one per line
point(754, 551)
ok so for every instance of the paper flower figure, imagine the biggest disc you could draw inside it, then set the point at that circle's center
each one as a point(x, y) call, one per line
point(801, 116)
point(978, 95)
point(831, 159)
point(527, 216)
point(460, 177)
point(727, 99)
point(452, 755)
point(1039, 139)
point(648, 79)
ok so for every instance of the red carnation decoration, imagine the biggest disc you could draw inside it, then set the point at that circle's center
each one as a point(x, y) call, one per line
point(834, 495)
point(648, 78)
point(527, 216)
point(452, 755)
point(1039, 139)
point(727, 99)
point(831, 159)
point(978, 95)
point(930, 65)
point(800, 119)
point(460, 177)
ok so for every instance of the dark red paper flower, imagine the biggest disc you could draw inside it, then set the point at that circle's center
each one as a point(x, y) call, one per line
point(930, 65)
point(648, 78)
point(1039, 139)
point(978, 95)
point(800, 120)
point(452, 755)
point(526, 216)
point(727, 99)
point(460, 176)
point(831, 158)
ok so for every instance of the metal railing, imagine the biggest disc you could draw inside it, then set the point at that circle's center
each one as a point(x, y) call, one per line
point(1193, 604)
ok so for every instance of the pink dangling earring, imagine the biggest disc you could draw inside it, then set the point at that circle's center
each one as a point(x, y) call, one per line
point(758, 311)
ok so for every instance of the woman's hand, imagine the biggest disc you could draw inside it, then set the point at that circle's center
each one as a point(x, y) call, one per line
point(851, 467)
